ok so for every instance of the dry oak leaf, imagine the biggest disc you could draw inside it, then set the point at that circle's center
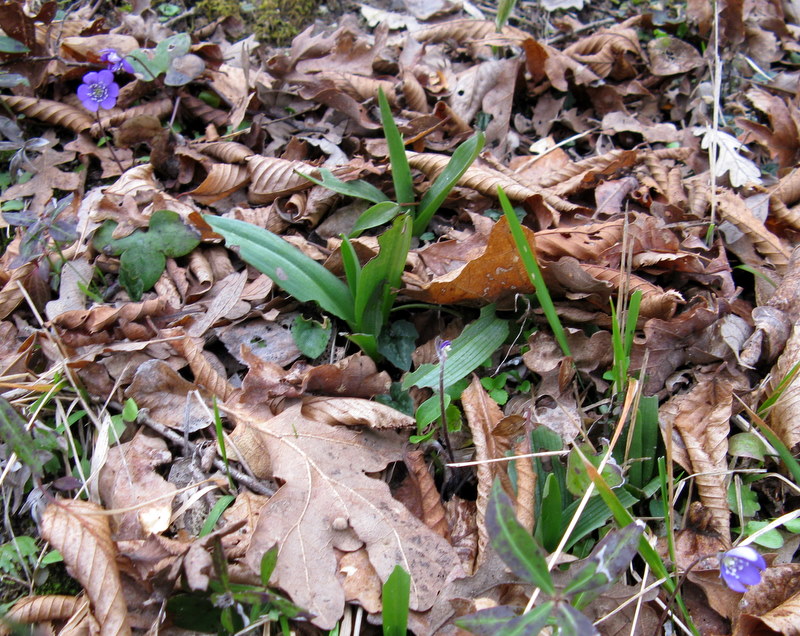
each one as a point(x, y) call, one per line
point(772, 606)
point(51, 607)
point(81, 533)
point(327, 501)
point(785, 416)
point(699, 423)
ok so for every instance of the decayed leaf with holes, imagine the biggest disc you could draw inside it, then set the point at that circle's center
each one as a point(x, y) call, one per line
point(483, 415)
point(129, 479)
point(327, 501)
point(50, 112)
point(223, 179)
point(733, 209)
point(42, 609)
point(699, 422)
point(785, 414)
point(80, 532)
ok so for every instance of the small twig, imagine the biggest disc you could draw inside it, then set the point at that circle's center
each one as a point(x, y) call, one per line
point(255, 485)
point(110, 146)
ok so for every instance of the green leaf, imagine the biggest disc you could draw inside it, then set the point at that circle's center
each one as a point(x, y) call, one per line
point(220, 506)
point(746, 445)
point(10, 45)
point(401, 173)
point(169, 235)
point(462, 159)
point(750, 505)
point(395, 597)
point(139, 270)
point(268, 563)
point(397, 343)
point(771, 539)
point(513, 543)
point(550, 531)
point(505, 621)
point(358, 189)
point(130, 411)
point(572, 623)
point(476, 343)
point(310, 336)
point(609, 559)
point(644, 441)
point(13, 432)
point(375, 216)
point(298, 274)
point(504, 9)
point(577, 478)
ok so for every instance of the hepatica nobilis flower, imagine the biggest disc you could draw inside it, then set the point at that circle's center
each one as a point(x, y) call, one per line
point(99, 90)
point(115, 61)
point(741, 567)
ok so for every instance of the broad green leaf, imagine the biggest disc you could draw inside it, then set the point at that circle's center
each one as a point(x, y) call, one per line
point(375, 216)
point(171, 48)
point(168, 234)
point(550, 524)
point(462, 158)
point(10, 45)
point(504, 9)
point(268, 563)
point(395, 597)
point(746, 445)
point(310, 336)
point(505, 621)
point(357, 189)
point(298, 274)
point(572, 623)
point(750, 505)
point(430, 411)
point(644, 441)
point(771, 539)
point(398, 342)
point(13, 432)
point(474, 346)
point(140, 269)
point(367, 342)
point(513, 543)
point(401, 173)
point(577, 478)
point(609, 559)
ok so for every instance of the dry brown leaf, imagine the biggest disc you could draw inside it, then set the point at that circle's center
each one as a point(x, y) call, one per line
point(40, 609)
point(605, 52)
point(354, 412)
point(129, 479)
point(483, 415)
point(11, 295)
point(205, 113)
point(227, 151)
point(671, 56)
point(781, 138)
point(733, 209)
point(205, 375)
point(699, 421)
point(56, 113)
point(80, 532)
point(785, 415)
point(156, 108)
point(525, 501)
point(223, 179)
point(171, 399)
point(772, 605)
point(360, 581)
point(354, 376)
point(466, 31)
point(327, 501)
point(787, 190)
point(430, 502)
point(271, 178)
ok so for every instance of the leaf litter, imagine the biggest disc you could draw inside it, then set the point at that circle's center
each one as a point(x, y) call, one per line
point(599, 126)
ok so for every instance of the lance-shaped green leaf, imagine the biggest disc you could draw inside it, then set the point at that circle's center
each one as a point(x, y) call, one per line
point(13, 432)
point(609, 559)
point(513, 543)
point(10, 45)
point(395, 597)
point(357, 189)
point(505, 621)
point(476, 343)
point(298, 274)
point(378, 214)
point(268, 563)
point(462, 158)
point(401, 173)
point(572, 623)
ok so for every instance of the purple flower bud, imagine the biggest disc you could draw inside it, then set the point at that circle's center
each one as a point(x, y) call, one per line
point(98, 91)
point(741, 567)
point(115, 61)
point(442, 347)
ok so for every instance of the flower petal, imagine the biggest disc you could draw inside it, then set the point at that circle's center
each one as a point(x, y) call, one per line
point(750, 575)
point(106, 77)
point(731, 581)
point(91, 78)
point(83, 92)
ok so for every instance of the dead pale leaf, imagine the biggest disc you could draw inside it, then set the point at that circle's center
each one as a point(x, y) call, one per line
point(671, 56)
point(785, 415)
point(773, 604)
point(701, 419)
point(81, 532)
point(41, 609)
point(129, 479)
point(327, 501)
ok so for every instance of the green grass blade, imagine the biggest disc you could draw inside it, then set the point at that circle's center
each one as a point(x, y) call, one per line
point(785, 454)
point(401, 172)
point(633, 317)
point(644, 439)
point(534, 273)
point(358, 189)
point(472, 348)
point(293, 271)
point(504, 9)
point(462, 159)
point(352, 267)
point(396, 593)
point(779, 390)
point(14, 433)
point(216, 512)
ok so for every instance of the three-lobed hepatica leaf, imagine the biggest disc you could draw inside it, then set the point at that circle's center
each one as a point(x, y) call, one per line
point(144, 254)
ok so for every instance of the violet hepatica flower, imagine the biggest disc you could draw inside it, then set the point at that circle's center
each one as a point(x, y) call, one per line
point(442, 347)
point(741, 567)
point(115, 61)
point(98, 90)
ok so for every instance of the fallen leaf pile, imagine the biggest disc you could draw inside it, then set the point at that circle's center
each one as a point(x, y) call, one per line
point(600, 127)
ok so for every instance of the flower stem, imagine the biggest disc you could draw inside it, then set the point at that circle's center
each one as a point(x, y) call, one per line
point(110, 146)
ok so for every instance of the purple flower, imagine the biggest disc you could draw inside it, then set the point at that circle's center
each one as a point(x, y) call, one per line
point(740, 567)
point(115, 61)
point(442, 347)
point(98, 91)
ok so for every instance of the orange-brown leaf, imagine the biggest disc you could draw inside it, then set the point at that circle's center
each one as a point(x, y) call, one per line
point(50, 112)
point(223, 179)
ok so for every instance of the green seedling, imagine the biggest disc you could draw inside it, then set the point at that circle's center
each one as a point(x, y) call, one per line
point(534, 273)
point(310, 336)
point(143, 255)
point(395, 598)
point(623, 328)
point(170, 58)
